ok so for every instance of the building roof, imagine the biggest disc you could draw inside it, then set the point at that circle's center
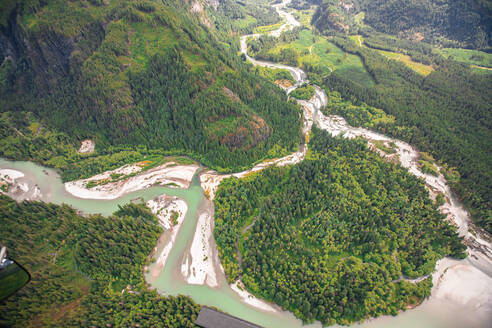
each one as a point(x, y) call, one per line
point(209, 318)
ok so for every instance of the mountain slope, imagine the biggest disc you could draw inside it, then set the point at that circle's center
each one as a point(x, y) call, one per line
point(452, 23)
point(141, 73)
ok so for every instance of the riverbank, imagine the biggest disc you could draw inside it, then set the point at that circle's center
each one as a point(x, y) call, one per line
point(201, 262)
point(171, 212)
point(169, 174)
point(16, 185)
point(238, 288)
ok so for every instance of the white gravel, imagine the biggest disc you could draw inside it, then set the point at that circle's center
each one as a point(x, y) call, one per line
point(168, 173)
point(163, 206)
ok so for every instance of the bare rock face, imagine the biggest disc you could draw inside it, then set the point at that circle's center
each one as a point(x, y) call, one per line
point(48, 57)
point(196, 7)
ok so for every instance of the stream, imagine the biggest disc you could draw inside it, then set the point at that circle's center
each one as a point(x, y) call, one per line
point(462, 292)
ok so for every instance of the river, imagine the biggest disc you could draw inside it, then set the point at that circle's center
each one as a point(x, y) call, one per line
point(462, 291)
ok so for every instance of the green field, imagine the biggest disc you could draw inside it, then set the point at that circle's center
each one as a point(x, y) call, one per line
point(318, 51)
point(407, 60)
point(268, 28)
point(305, 92)
point(274, 74)
point(472, 57)
point(245, 22)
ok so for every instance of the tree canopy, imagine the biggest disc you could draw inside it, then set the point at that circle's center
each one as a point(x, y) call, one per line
point(329, 238)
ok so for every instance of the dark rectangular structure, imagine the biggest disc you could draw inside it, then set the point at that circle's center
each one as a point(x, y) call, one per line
point(210, 318)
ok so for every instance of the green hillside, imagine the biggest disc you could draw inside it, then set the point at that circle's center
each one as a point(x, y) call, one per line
point(149, 73)
point(448, 22)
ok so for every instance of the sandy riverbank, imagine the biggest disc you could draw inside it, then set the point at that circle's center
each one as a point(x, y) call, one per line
point(290, 21)
point(10, 175)
point(200, 265)
point(164, 207)
point(238, 288)
point(18, 186)
point(461, 283)
point(168, 174)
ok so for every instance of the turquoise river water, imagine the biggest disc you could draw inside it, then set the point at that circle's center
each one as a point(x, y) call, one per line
point(428, 315)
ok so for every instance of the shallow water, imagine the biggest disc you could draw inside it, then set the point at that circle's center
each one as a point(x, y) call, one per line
point(53, 191)
point(170, 281)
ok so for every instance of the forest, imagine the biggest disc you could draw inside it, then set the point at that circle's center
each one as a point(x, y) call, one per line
point(446, 113)
point(304, 92)
point(260, 47)
point(448, 23)
point(85, 271)
point(329, 238)
point(243, 17)
point(141, 74)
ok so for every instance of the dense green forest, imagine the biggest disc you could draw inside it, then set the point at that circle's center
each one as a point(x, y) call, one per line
point(243, 17)
point(79, 267)
point(449, 23)
point(142, 73)
point(447, 114)
point(329, 238)
point(23, 137)
point(260, 47)
point(304, 92)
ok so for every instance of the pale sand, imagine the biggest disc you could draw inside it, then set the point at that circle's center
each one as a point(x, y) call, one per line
point(251, 299)
point(162, 207)
point(87, 146)
point(37, 193)
point(17, 189)
point(198, 266)
point(21, 186)
point(10, 175)
point(168, 173)
point(462, 284)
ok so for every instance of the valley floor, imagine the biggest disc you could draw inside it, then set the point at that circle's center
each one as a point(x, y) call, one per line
point(465, 285)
